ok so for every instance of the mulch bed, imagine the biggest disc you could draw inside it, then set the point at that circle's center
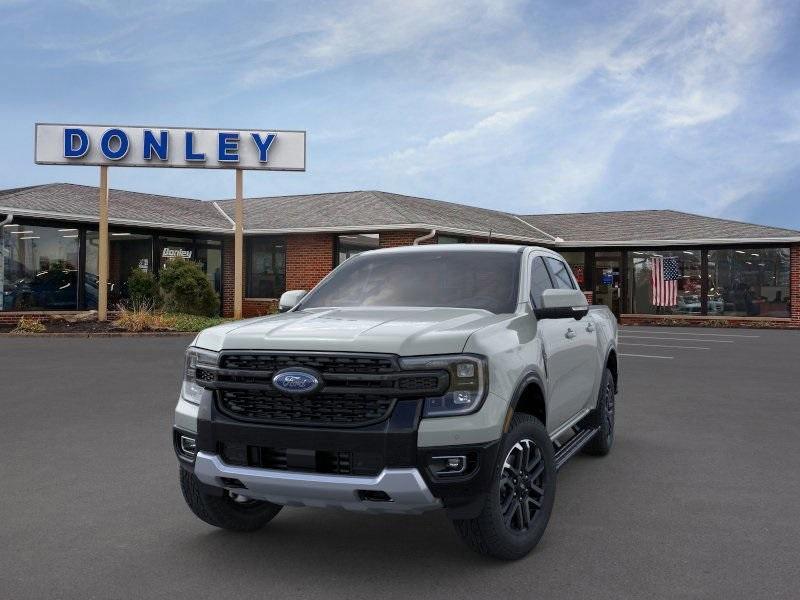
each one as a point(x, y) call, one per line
point(87, 328)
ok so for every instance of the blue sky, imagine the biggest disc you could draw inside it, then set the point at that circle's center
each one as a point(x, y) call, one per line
point(521, 106)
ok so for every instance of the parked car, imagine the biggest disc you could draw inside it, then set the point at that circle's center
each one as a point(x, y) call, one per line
point(459, 377)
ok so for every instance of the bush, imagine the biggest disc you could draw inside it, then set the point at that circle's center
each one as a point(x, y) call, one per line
point(140, 317)
point(29, 325)
point(143, 289)
point(186, 290)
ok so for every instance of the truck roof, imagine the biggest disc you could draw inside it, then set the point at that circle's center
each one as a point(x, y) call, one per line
point(459, 248)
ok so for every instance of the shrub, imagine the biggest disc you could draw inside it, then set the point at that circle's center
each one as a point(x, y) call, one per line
point(186, 289)
point(29, 325)
point(140, 317)
point(143, 288)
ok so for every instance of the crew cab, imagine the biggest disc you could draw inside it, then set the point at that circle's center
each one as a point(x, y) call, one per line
point(457, 377)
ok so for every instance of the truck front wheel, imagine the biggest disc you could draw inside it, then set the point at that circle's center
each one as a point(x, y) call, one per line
point(521, 497)
point(227, 511)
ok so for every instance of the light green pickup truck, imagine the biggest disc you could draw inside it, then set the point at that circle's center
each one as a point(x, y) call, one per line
point(457, 377)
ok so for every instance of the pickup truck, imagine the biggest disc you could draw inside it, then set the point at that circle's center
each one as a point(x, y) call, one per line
point(457, 377)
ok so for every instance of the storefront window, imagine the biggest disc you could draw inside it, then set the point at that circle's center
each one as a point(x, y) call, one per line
point(577, 262)
point(39, 268)
point(209, 255)
point(266, 267)
point(127, 252)
point(175, 247)
point(350, 245)
point(749, 282)
point(449, 239)
point(665, 282)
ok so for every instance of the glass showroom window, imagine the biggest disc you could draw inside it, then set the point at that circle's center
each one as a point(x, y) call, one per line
point(128, 252)
point(209, 255)
point(577, 262)
point(748, 282)
point(39, 268)
point(665, 282)
point(266, 267)
point(449, 239)
point(350, 245)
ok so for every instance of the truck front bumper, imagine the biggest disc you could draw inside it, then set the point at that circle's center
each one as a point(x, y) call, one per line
point(390, 471)
point(391, 491)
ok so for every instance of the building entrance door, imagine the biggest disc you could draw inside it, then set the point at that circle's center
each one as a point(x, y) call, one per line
point(608, 280)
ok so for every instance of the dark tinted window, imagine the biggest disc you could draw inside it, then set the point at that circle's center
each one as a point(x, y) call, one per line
point(266, 267)
point(560, 273)
point(480, 279)
point(540, 281)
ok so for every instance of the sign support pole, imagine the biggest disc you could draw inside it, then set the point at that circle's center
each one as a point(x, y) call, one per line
point(238, 278)
point(102, 267)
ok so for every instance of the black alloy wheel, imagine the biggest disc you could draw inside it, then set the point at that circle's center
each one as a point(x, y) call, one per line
point(522, 485)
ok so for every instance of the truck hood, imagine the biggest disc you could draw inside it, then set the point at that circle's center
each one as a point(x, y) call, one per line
point(403, 331)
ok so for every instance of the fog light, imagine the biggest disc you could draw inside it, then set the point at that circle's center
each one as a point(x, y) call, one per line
point(188, 445)
point(448, 465)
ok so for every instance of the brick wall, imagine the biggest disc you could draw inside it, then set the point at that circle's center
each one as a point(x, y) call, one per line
point(309, 257)
point(228, 274)
point(794, 285)
point(392, 239)
point(259, 308)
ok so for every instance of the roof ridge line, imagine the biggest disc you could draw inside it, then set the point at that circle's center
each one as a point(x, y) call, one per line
point(542, 231)
point(382, 196)
point(224, 214)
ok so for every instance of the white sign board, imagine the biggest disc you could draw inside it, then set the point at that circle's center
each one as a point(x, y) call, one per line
point(190, 148)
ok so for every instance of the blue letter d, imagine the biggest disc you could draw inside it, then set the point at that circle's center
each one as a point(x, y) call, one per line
point(71, 136)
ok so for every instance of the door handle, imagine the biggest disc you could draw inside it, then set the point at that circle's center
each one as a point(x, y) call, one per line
point(570, 333)
point(590, 327)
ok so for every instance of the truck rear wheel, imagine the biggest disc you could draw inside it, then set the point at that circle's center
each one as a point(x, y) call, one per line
point(227, 511)
point(603, 418)
point(521, 497)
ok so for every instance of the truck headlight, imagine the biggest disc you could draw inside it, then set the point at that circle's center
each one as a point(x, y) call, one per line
point(196, 359)
point(469, 381)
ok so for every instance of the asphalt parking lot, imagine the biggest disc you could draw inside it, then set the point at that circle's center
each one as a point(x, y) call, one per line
point(699, 498)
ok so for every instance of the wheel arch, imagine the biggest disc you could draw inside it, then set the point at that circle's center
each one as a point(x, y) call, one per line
point(612, 364)
point(529, 398)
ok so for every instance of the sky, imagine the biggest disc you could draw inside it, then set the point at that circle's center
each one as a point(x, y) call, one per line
point(529, 107)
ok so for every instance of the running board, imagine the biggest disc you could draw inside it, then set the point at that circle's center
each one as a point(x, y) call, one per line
point(568, 450)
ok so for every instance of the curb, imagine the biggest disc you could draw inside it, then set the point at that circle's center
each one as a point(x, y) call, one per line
point(88, 334)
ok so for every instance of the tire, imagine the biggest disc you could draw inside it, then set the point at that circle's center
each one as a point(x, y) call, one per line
point(492, 532)
point(226, 511)
point(602, 417)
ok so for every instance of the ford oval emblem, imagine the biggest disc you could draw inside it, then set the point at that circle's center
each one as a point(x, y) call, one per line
point(295, 382)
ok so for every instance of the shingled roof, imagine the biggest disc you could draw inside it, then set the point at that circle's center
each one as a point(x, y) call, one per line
point(365, 211)
point(79, 202)
point(374, 210)
point(638, 226)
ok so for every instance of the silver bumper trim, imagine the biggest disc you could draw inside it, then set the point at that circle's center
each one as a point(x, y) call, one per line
point(405, 487)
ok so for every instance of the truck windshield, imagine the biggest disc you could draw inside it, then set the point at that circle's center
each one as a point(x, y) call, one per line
point(464, 279)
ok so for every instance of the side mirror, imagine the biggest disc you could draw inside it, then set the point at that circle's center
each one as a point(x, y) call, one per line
point(290, 299)
point(562, 304)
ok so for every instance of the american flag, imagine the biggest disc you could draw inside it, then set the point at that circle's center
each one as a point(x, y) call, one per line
point(664, 280)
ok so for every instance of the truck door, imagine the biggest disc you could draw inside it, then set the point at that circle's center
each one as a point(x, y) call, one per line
point(569, 344)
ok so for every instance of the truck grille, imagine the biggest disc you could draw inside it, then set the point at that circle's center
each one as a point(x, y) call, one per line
point(357, 390)
point(323, 409)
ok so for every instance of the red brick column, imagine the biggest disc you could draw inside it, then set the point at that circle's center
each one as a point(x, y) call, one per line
point(392, 239)
point(227, 277)
point(309, 257)
point(794, 285)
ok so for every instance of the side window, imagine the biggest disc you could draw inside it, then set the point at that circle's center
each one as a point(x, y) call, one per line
point(561, 278)
point(540, 281)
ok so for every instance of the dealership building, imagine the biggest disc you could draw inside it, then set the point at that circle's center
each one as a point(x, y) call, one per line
point(718, 271)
